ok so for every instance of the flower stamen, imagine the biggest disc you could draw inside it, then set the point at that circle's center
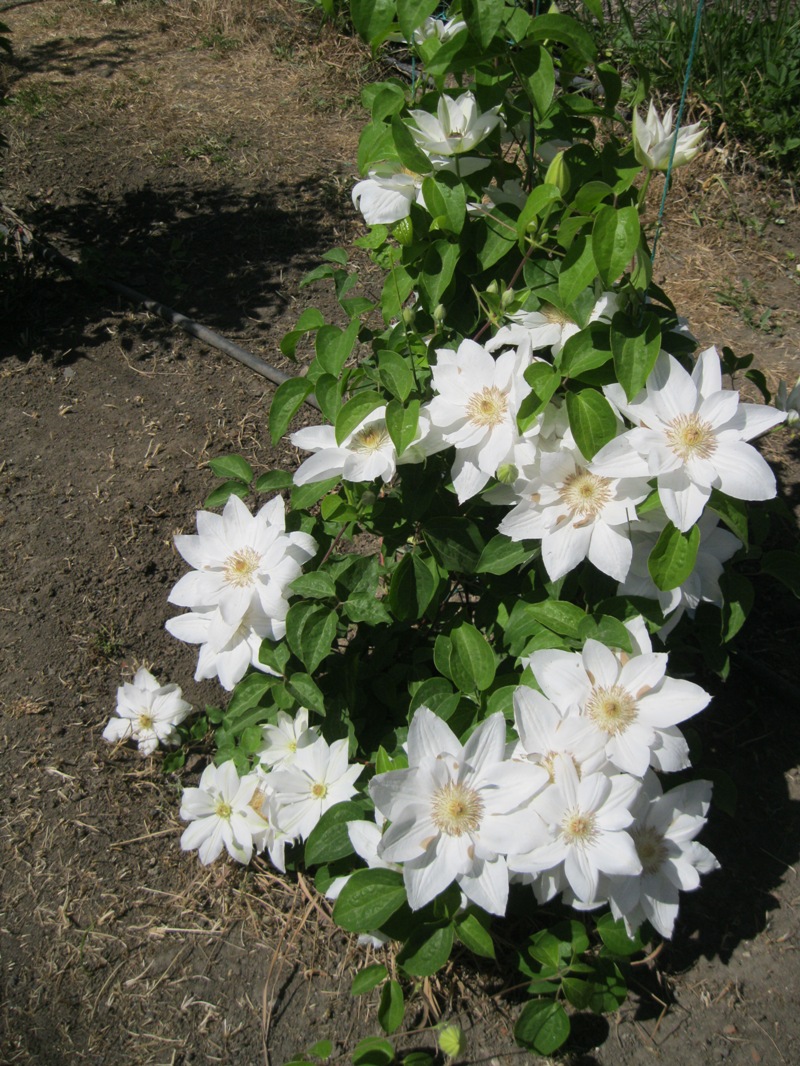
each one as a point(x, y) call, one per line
point(456, 809)
point(585, 494)
point(579, 827)
point(612, 709)
point(487, 407)
point(690, 437)
point(650, 848)
point(370, 439)
point(240, 567)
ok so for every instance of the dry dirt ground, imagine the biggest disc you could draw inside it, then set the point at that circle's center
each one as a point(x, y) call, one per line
point(206, 160)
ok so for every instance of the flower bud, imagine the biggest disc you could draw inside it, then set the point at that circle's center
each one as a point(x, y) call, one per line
point(507, 298)
point(558, 174)
point(493, 287)
point(438, 314)
point(452, 1041)
point(409, 314)
point(507, 474)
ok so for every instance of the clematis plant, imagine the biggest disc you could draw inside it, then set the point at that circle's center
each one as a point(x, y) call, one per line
point(454, 643)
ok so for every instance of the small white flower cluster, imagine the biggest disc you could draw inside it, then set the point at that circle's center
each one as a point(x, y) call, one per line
point(574, 807)
point(237, 589)
point(147, 713)
point(298, 778)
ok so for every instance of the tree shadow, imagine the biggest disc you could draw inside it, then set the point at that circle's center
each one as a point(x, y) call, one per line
point(219, 255)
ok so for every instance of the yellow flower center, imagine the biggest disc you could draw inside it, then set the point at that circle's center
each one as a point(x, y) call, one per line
point(650, 848)
point(223, 809)
point(579, 827)
point(370, 439)
point(612, 709)
point(585, 494)
point(555, 315)
point(691, 438)
point(146, 720)
point(457, 809)
point(240, 567)
point(487, 407)
point(319, 790)
point(257, 801)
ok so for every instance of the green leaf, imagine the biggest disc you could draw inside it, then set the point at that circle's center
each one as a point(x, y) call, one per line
point(373, 1051)
point(543, 1026)
point(615, 937)
point(321, 1050)
point(396, 289)
point(483, 18)
point(559, 616)
point(368, 899)
point(591, 419)
point(316, 585)
point(372, 19)
point(286, 402)
point(426, 951)
point(329, 839)
point(738, 598)
point(672, 559)
point(474, 936)
point(586, 350)
point(412, 13)
point(249, 692)
point(310, 629)
point(502, 554)
point(232, 467)
point(275, 479)
point(395, 374)
point(535, 70)
point(785, 566)
point(409, 154)
point(449, 663)
point(615, 238)
point(336, 509)
point(366, 607)
point(368, 978)
point(538, 204)
point(221, 493)
point(635, 346)
point(477, 658)
point(402, 423)
point(328, 391)
point(438, 268)
point(733, 513)
point(446, 200)
point(306, 693)
point(554, 27)
point(355, 411)
point(413, 586)
point(391, 1007)
point(275, 656)
point(374, 144)
point(578, 269)
point(304, 496)
point(455, 542)
point(334, 346)
point(543, 380)
point(608, 630)
point(310, 319)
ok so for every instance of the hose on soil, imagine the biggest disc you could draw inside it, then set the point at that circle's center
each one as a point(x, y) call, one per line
point(16, 231)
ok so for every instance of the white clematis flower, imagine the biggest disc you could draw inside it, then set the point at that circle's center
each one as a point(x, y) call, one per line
point(318, 778)
point(387, 193)
point(716, 546)
point(690, 435)
point(457, 126)
point(586, 818)
point(629, 700)
point(226, 650)
point(653, 137)
point(549, 327)
point(147, 713)
point(789, 402)
point(664, 832)
point(221, 814)
point(544, 733)
point(576, 514)
point(442, 30)
point(281, 741)
point(476, 411)
point(366, 453)
point(456, 811)
point(241, 561)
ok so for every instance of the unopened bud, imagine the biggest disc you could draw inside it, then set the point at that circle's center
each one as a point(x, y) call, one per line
point(507, 298)
point(507, 473)
point(409, 314)
point(493, 287)
point(558, 174)
point(452, 1041)
point(438, 314)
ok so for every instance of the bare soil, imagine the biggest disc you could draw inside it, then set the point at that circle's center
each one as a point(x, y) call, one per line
point(206, 160)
